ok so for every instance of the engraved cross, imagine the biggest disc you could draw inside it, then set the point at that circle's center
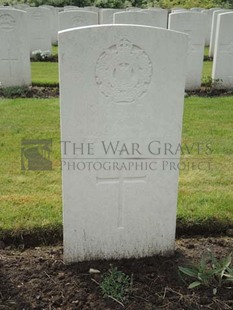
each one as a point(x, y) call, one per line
point(121, 181)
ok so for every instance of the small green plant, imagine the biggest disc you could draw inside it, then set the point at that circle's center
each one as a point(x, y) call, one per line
point(116, 284)
point(14, 91)
point(210, 83)
point(210, 271)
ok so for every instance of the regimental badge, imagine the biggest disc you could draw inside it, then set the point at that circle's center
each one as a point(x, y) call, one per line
point(78, 21)
point(7, 22)
point(123, 72)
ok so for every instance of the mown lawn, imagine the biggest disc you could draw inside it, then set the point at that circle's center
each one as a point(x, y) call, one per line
point(30, 199)
point(54, 50)
point(206, 195)
point(207, 70)
point(46, 73)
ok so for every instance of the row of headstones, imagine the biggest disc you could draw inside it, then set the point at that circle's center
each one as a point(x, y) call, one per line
point(156, 17)
point(14, 23)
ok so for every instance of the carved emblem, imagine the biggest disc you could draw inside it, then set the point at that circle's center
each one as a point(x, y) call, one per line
point(123, 72)
point(77, 21)
point(7, 22)
point(37, 15)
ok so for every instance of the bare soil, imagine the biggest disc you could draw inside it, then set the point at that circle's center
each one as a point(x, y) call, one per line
point(37, 278)
point(51, 91)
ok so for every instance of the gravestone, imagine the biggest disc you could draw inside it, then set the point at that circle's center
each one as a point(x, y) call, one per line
point(71, 7)
point(72, 19)
point(208, 23)
point(193, 24)
point(128, 89)
point(213, 30)
point(223, 59)
point(92, 9)
point(196, 9)
point(21, 6)
point(214, 9)
point(54, 27)
point(15, 67)
point(106, 15)
point(175, 10)
point(156, 18)
point(133, 8)
point(39, 21)
point(160, 16)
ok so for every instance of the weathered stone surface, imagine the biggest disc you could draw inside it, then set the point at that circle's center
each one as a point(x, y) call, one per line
point(15, 67)
point(117, 92)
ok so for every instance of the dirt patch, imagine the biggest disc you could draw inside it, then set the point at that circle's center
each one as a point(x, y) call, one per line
point(38, 279)
point(30, 92)
point(52, 90)
point(208, 91)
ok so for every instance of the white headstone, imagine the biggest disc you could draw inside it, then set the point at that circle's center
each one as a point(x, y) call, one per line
point(92, 9)
point(160, 16)
point(54, 27)
point(215, 9)
point(223, 58)
point(128, 88)
point(72, 19)
point(148, 18)
point(21, 6)
point(133, 8)
point(71, 7)
point(175, 10)
point(15, 67)
point(208, 23)
point(213, 31)
point(196, 9)
point(106, 15)
point(193, 24)
point(39, 29)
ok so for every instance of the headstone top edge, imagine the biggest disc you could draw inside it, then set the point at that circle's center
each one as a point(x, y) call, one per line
point(64, 32)
point(12, 10)
point(77, 11)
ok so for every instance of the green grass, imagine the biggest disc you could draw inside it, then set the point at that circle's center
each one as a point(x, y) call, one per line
point(55, 50)
point(206, 51)
point(207, 69)
point(44, 73)
point(206, 196)
point(30, 200)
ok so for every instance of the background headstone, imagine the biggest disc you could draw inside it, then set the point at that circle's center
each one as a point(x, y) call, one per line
point(54, 27)
point(15, 67)
point(153, 18)
point(193, 24)
point(72, 19)
point(196, 9)
point(106, 15)
point(39, 29)
point(213, 30)
point(223, 59)
point(92, 9)
point(208, 23)
point(128, 88)
point(71, 7)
